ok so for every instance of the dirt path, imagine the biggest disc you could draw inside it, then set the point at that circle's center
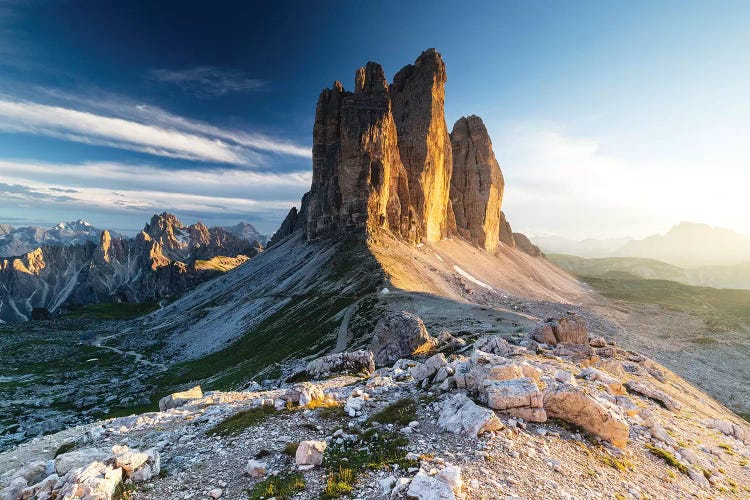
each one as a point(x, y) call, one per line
point(343, 339)
point(139, 358)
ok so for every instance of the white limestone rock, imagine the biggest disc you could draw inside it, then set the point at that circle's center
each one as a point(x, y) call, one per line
point(460, 414)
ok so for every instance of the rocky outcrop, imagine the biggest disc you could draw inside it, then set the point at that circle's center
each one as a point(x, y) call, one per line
point(506, 232)
point(400, 335)
point(477, 184)
point(574, 405)
point(567, 329)
point(341, 362)
point(524, 244)
point(383, 161)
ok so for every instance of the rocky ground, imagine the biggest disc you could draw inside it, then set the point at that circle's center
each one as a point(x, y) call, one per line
point(490, 419)
point(76, 374)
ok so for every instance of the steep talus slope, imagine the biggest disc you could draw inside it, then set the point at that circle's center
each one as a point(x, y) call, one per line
point(288, 302)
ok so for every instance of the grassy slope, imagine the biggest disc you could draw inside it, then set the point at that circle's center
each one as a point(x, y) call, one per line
point(306, 324)
point(726, 305)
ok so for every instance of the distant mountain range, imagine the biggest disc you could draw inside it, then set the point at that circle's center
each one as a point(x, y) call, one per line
point(687, 245)
point(16, 241)
point(734, 276)
point(77, 264)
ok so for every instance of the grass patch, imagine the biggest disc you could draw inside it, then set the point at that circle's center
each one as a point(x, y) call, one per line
point(727, 448)
point(722, 308)
point(123, 491)
point(401, 413)
point(339, 483)
point(237, 423)
point(290, 449)
point(281, 487)
point(373, 450)
point(617, 463)
point(64, 448)
point(114, 310)
point(667, 457)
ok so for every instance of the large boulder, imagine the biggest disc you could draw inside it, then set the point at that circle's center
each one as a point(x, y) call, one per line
point(66, 462)
point(459, 414)
point(425, 487)
point(399, 335)
point(137, 465)
point(178, 399)
point(341, 362)
point(519, 397)
point(572, 404)
point(568, 329)
point(310, 453)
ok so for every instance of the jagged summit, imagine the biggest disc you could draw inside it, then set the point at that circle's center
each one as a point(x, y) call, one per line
point(383, 161)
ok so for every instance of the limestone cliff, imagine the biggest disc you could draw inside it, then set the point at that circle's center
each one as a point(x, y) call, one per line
point(383, 161)
point(418, 95)
point(477, 184)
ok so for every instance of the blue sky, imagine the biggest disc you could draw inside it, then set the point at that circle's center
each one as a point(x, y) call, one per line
point(608, 118)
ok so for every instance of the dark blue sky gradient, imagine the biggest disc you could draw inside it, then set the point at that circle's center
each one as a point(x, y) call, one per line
point(638, 79)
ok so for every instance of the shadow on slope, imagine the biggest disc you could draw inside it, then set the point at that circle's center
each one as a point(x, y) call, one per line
point(302, 299)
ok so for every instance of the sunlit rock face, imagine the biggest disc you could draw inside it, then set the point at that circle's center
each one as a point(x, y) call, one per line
point(477, 184)
point(418, 95)
point(382, 155)
point(383, 161)
point(358, 178)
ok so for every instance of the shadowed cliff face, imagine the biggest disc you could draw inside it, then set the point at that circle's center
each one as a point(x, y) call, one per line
point(383, 161)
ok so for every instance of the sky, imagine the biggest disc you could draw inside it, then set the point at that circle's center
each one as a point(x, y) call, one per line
point(608, 118)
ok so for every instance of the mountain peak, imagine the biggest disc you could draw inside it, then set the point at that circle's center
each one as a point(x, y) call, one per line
point(383, 160)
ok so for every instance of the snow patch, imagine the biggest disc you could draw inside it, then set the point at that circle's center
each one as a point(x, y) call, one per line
point(471, 278)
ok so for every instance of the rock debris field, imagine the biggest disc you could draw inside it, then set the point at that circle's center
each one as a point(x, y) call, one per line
point(575, 419)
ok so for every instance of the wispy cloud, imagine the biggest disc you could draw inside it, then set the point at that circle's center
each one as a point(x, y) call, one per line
point(141, 128)
point(144, 189)
point(208, 81)
point(570, 185)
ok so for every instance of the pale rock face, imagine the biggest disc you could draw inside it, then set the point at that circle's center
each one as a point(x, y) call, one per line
point(399, 335)
point(341, 362)
point(516, 393)
point(310, 453)
point(66, 462)
point(425, 487)
point(137, 465)
point(613, 384)
point(96, 481)
point(429, 368)
point(573, 405)
point(477, 184)
point(459, 414)
point(568, 329)
point(653, 393)
point(177, 399)
point(256, 468)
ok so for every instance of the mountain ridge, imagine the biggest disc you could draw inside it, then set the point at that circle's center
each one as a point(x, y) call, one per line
point(159, 261)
